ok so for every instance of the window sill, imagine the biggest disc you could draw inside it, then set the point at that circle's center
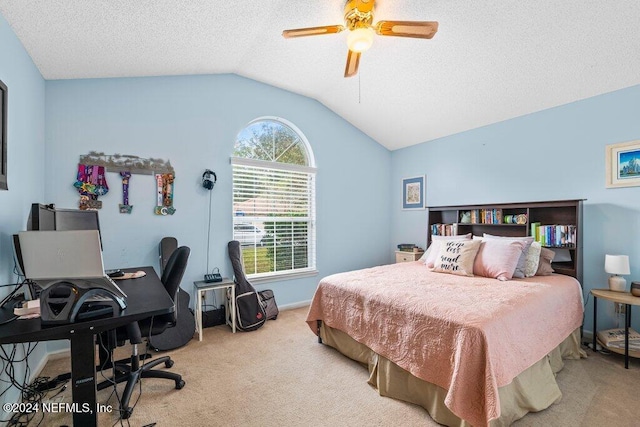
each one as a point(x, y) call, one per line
point(257, 280)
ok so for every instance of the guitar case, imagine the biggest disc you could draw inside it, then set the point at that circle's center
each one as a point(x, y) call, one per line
point(182, 332)
point(185, 326)
point(253, 308)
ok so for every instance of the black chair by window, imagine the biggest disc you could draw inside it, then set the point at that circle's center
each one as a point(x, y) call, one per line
point(131, 370)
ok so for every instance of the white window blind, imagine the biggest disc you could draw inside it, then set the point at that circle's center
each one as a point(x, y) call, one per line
point(274, 216)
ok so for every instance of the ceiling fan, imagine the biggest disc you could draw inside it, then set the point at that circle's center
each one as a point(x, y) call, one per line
point(358, 17)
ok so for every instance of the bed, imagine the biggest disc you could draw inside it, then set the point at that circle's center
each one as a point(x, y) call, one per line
point(471, 350)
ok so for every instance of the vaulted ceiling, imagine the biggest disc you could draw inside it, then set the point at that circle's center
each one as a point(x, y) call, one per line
point(489, 61)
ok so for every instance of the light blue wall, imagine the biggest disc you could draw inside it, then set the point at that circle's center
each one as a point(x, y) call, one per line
point(553, 154)
point(193, 121)
point(26, 175)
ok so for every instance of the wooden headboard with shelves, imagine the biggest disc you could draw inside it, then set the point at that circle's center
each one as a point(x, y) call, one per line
point(555, 224)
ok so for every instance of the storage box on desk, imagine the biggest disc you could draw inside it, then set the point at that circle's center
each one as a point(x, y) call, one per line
point(213, 317)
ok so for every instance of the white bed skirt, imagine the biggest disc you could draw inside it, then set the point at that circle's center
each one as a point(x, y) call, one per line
point(533, 390)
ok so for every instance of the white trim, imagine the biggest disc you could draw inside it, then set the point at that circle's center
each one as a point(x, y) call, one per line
point(276, 277)
point(294, 128)
point(35, 372)
point(303, 178)
point(58, 354)
point(268, 164)
point(294, 305)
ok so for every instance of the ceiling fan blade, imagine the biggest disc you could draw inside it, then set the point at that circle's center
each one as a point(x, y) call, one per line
point(417, 29)
point(312, 31)
point(353, 60)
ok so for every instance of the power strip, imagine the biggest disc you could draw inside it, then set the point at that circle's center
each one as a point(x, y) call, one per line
point(212, 278)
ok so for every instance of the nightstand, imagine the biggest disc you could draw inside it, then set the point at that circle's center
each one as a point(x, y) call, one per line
point(623, 298)
point(402, 256)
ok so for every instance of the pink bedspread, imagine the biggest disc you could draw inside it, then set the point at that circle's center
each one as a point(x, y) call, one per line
point(469, 335)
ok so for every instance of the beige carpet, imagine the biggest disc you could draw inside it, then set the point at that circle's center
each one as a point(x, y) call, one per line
point(280, 376)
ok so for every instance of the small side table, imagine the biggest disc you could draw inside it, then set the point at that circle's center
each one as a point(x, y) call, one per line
point(403, 256)
point(201, 286)
point(620, 297)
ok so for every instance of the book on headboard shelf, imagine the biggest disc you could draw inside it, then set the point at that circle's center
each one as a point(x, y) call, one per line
point(554, 235)
point(444, 229)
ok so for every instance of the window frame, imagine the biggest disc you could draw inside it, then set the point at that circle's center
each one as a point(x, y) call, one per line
point(309, 169)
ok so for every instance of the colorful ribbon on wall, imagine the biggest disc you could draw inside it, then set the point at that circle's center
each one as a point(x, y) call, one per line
point(91, 183)
point(125, 207)
point(164, 194)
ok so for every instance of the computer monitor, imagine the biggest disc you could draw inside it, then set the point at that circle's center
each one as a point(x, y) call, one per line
point(41, 217)
point(17, 255)
point(76, 219)
point(47, 218)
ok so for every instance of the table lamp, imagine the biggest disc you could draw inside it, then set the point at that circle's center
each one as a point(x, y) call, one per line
point(617, 265)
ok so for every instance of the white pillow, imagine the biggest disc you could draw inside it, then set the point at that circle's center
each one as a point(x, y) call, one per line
point(431, 254)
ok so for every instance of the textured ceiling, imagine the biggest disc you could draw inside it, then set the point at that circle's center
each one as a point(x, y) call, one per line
point(490, 60)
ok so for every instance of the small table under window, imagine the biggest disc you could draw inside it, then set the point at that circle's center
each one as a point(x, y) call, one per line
point(230, 308)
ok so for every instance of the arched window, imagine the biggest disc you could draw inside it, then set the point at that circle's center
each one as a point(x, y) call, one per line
point(274, 199)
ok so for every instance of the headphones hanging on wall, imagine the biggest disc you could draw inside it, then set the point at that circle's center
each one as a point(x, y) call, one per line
point(206, 179)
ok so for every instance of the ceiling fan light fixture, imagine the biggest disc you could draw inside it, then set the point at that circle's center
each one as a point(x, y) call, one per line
point(360, 39)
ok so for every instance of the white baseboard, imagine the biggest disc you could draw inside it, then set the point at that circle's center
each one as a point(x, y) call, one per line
point(58, 354)
point(294, 305)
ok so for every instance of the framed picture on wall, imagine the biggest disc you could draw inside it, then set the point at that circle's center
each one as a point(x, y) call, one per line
point(623, 164)
point(3, 136)
point(413, 192)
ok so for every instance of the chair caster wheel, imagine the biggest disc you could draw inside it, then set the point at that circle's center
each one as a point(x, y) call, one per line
point(126, 413)
point(180, 384)
point(168, 363)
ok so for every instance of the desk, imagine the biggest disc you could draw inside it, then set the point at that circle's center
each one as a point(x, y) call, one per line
point(146, 297)
point(230, 309)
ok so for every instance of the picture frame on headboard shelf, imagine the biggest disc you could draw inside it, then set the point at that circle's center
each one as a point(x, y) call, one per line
point(3, 136)
point(623, 164)
point(414, 193)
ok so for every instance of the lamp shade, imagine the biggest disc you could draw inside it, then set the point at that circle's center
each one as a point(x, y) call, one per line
point(616, 264)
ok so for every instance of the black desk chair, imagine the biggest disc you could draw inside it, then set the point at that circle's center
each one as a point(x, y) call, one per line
point(132, 371)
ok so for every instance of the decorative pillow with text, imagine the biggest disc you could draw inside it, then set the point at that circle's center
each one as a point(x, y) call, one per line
point(431, 254)
point(456, 257)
